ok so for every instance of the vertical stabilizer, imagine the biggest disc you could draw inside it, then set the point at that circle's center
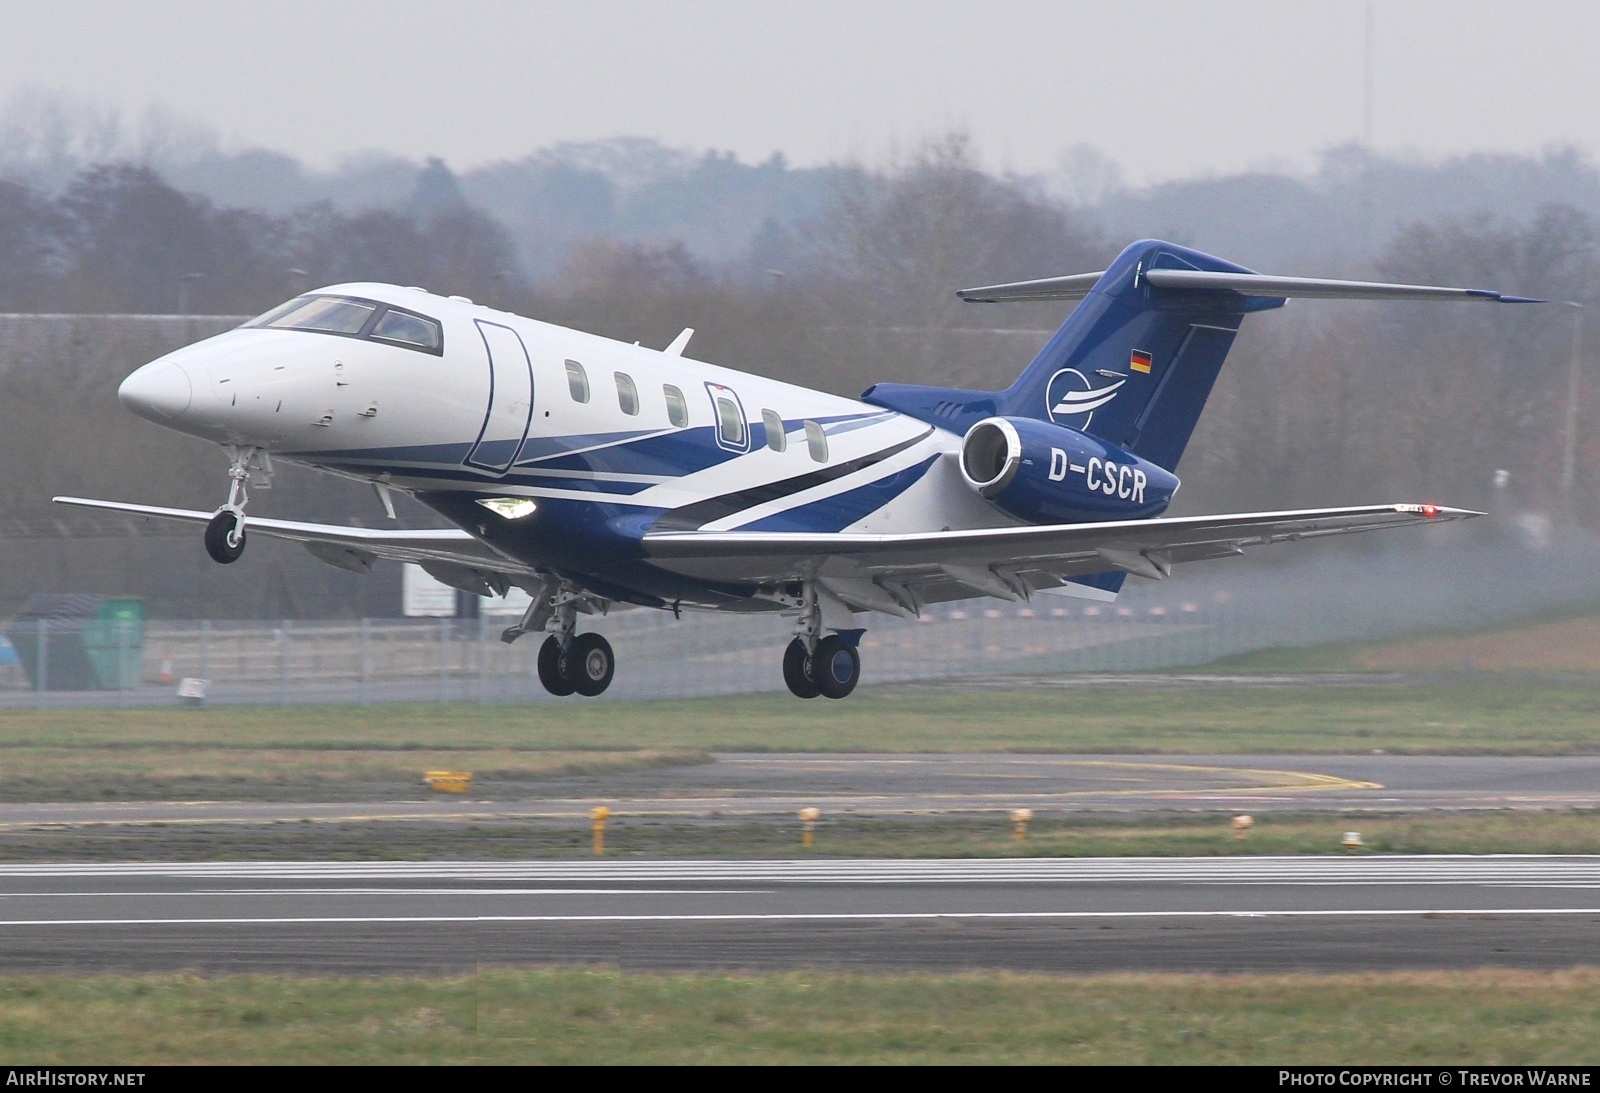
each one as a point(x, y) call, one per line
point(1133, 364)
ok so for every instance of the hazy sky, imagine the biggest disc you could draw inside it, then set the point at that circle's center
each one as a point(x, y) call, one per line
point(1164, 87)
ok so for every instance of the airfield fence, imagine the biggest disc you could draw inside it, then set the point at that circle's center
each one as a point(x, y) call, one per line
point(463, 660)
point(1322, 596)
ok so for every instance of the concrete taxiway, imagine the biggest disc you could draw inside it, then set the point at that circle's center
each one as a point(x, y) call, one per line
point(1210, 914)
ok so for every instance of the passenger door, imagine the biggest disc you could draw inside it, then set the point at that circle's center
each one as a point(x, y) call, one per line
point(505, 424)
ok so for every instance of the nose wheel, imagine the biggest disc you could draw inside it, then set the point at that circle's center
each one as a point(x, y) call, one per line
point(225, 537)
point(247, 466)
point(585, 667)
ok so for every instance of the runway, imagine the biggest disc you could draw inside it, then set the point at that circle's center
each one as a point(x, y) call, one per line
point(1211, 914)
point(1064, 915)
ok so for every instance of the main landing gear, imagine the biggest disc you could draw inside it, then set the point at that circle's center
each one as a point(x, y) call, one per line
point(247, 466)
point(585, 667)
point(814, 664)
point(569, 662)
point(832, 669)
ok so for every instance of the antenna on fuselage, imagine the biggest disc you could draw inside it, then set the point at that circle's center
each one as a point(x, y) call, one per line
point(680, 343)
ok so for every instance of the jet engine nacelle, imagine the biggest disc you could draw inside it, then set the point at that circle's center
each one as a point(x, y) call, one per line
point(1048, 474)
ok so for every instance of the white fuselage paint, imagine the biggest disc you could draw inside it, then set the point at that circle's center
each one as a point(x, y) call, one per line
point(323, 400)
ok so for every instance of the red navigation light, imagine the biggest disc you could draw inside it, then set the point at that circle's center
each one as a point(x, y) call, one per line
point(1430, 510)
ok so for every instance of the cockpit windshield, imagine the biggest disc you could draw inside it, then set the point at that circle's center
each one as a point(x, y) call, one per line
point(356, 318)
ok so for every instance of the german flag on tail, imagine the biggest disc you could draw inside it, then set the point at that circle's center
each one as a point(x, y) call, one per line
point(1139, 361)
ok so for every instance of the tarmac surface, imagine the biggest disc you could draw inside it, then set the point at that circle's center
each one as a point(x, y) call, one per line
point(751, 785)
point(1094, 915)
point(1066, 915)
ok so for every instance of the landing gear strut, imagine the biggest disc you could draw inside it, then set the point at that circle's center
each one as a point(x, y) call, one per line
point(247, 466)
point(569, 662)
point(820, 665)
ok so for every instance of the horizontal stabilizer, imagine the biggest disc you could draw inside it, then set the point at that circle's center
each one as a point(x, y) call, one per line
point(1314, 288)
point(1072, 287)
point(1078, 285)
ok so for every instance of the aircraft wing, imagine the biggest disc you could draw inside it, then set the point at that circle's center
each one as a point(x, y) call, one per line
point(899, 569)
point(452, 555)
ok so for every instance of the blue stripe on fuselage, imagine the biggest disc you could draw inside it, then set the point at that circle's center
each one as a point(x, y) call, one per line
point(843, 509)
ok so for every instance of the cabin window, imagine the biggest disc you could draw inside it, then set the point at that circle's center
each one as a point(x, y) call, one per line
point(627, 394)
point(776, 440)
point(817, 441)
point(730, 422)
point(577, 382)
point(677, 406)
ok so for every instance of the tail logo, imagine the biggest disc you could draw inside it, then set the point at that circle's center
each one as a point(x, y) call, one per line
point(1071, 400)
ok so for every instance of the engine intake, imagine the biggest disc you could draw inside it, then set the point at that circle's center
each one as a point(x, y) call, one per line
point(1045, 473)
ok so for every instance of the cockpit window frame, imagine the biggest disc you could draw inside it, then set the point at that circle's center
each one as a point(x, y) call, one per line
point(380, 308)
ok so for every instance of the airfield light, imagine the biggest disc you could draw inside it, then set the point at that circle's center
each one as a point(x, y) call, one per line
point(1352, 841)
point(1019, 820)
point(808, 820)
point(1242, 826)
point(599, 816)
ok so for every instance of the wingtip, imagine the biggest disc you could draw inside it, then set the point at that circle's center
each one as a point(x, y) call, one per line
point(1503, 297)
point(1440, 512)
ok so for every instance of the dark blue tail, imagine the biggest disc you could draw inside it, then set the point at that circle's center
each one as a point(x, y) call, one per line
point(1132, 364)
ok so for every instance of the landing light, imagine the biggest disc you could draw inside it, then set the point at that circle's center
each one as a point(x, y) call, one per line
point(509, 508)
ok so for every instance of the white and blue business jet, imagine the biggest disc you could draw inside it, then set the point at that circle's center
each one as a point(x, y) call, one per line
point(592, 473)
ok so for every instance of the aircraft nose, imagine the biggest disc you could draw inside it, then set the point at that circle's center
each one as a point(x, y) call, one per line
point(160, 391)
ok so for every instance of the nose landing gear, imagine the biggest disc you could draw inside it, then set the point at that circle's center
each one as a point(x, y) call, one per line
point(247, 466)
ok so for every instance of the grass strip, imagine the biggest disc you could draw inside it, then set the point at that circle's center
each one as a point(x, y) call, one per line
point(606, 1016)
point(889, 837)
point(1477, 713)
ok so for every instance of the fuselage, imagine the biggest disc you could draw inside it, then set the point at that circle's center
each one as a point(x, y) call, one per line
point(459, 404)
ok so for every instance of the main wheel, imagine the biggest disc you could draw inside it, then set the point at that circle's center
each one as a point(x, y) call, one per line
point(552, 668)
point(225, 537)
point(835, 667)
point(796, 670)
point(590, 664)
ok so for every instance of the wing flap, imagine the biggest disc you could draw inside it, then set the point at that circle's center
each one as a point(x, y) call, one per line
point(1062, 550)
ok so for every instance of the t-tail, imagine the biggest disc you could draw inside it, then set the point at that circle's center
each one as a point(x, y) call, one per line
point(1135, 362)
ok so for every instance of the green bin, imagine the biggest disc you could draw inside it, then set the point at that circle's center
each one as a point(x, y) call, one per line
point(79, 641)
